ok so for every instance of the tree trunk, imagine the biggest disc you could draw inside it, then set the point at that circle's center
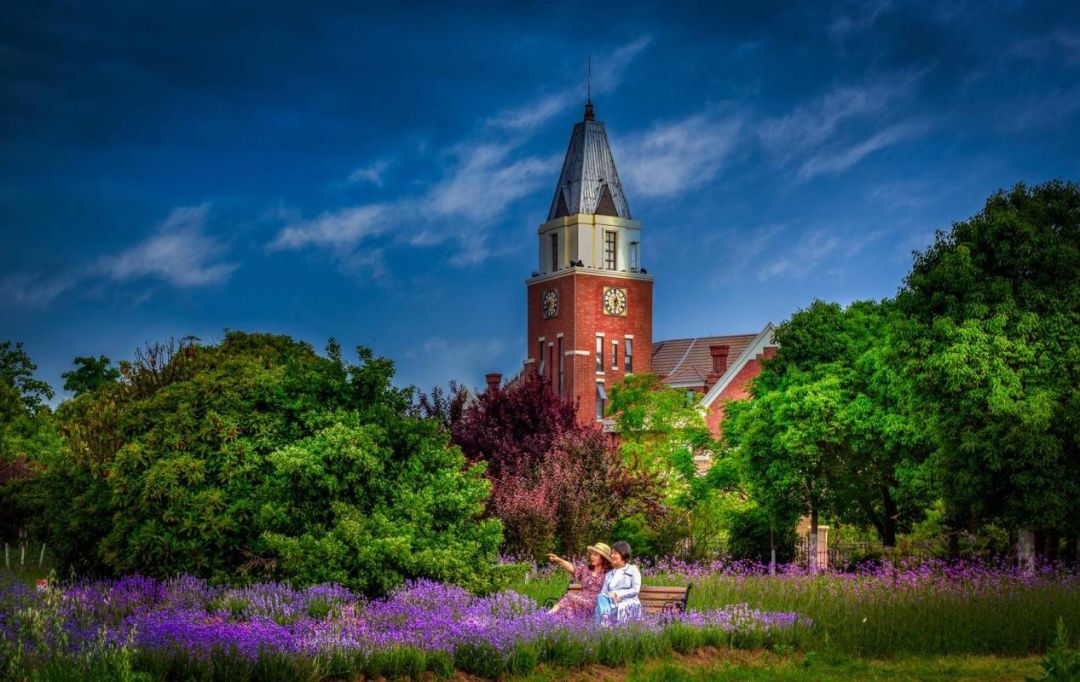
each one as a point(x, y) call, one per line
point(811, 545)
point(1025, 550)
point(1050, 545)
point(888, 525)
point(772, 549)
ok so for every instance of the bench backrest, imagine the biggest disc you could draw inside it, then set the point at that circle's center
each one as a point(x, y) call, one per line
point(656, 598)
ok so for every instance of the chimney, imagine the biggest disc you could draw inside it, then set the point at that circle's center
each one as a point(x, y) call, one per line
point(719, 358)
point(494, 380)
point(719, 365)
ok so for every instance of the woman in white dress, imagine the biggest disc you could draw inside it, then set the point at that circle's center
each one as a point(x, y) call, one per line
point(618, 599)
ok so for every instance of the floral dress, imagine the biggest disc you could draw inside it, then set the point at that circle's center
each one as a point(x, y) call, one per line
point(582, 604)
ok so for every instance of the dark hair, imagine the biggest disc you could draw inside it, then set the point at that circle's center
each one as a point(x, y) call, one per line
point(623, 548)
point(605, 563)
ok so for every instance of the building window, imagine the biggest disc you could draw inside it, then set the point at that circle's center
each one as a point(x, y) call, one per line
point(628, 356)
point(601, 399)
point(634, 264)
point(609, 250)
point(599, 354)
point(540, 358)
point(614, 355)
point(554, 251)
point(551, 361)
point(562, 362)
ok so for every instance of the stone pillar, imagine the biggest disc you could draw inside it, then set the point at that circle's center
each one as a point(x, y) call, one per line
point(822, 546)
point(494, 380)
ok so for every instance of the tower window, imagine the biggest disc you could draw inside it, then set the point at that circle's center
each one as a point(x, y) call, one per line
point(554, 251)
point(628, 356)
point(540, 358)
point(599, 354)
point(551, 361)
point(609, 250)
point(601, 399)
point(562, 362)
point(635, 265)
point(614, 354)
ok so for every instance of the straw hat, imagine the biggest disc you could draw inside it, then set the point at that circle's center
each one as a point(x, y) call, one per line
point(602, 549)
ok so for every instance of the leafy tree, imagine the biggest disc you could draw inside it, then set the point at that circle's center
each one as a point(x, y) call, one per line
point(513, 427)
point(27, 434)
point(555, 484)
point(19, 390)
point(221, 461)
point(447, 407)
point(660, 431)
point(90, 374)
point(828, 429)
point(993, 347)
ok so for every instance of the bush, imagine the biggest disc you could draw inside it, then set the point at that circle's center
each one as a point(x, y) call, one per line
point(750, 537)
point(258, 458)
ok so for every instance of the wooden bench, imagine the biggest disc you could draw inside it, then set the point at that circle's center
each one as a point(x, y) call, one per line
point(655, 599)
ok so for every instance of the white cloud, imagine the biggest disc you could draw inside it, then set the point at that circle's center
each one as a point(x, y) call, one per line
point(673, 157)
point(835, 160)
point(485, 175)
point(180, 254)
point(485, 180)
point(30, 291)
point(864, 16)
point(334, 229)
point(372, 173)
point(819, 251)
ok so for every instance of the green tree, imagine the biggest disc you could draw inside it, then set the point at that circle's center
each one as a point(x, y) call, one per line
point(178, 468)
point(90, 374)
point(828, 428)
point(993, 346)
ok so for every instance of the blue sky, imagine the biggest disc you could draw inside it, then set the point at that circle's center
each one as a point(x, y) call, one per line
point(377, 173)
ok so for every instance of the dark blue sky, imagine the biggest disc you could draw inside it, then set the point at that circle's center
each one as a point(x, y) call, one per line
point(377, 173)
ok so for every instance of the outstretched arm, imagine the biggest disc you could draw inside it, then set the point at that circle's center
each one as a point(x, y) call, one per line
point(562, 563)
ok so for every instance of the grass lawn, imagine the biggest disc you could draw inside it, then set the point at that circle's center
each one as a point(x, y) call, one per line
point(721, 665)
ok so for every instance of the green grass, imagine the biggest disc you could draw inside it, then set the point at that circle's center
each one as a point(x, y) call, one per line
point(797, 668)
point(869, 618)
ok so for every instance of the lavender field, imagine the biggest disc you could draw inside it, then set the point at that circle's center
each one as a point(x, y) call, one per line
point(140, 628)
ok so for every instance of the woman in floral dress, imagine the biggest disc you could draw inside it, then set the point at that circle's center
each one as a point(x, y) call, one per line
point(581, 604)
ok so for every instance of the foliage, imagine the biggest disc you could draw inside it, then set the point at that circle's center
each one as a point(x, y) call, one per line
point(828, 429)
point(752, 537)
point(90, 374)
point(555, 484)
point(512, 428)
point(660, 431)
point(206, 459)
point(993, 346)
point(1062, 660)
point(447, 407)
point(19, 390)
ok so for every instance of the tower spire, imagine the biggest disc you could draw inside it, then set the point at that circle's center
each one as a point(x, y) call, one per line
point(589, 115)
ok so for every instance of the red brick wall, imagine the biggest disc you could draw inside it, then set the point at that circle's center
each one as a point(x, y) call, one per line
point(580, 317)
point(736, 390)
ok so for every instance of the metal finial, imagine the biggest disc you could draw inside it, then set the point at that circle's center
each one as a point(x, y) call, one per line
point(589, 115)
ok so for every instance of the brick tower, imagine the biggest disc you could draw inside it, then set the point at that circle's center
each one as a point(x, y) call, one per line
point(590, 301)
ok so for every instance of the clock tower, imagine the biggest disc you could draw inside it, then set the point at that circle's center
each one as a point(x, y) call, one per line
point(589, 301)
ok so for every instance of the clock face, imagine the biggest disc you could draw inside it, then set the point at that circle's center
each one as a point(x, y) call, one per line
point(551, 303)
point(614, 301)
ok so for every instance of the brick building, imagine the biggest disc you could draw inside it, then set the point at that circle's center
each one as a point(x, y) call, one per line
point(590, 303)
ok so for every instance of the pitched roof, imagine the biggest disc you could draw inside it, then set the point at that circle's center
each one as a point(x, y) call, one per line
point(589, 182)
point(686, 362)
